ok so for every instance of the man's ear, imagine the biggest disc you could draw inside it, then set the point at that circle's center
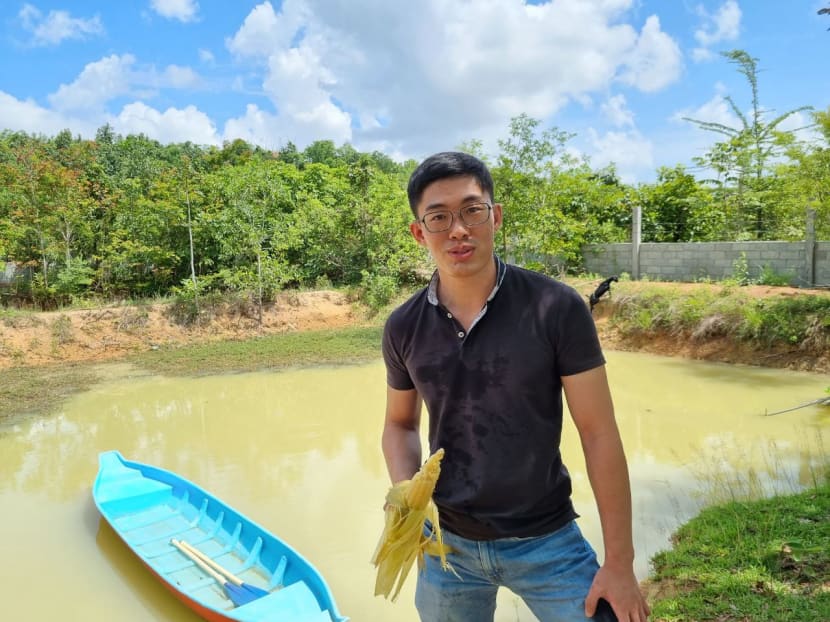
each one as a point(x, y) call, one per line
point(498, 216)
point(417, 231)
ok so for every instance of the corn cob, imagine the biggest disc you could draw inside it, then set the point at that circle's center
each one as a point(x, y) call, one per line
point(422, 485)
point(403, 541)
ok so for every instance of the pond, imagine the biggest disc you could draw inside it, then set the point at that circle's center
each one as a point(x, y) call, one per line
point(298, 451)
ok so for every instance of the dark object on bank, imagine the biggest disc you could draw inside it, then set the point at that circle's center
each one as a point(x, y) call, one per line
point(604, 613)
point(601, 289)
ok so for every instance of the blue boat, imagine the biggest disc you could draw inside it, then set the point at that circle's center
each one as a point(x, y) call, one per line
point(154, 511)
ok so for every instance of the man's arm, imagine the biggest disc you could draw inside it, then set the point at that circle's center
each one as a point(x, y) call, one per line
point(401, 440)
point(590, 404)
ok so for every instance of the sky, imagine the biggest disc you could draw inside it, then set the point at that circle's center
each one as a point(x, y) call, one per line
point(410, 78)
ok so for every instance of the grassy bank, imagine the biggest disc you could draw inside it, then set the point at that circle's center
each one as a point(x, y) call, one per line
point(39, 389)
point(764, 561)
point(726, 312)
point(318, 347)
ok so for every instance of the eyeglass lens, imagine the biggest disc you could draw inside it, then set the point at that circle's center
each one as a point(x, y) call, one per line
point(471, 215)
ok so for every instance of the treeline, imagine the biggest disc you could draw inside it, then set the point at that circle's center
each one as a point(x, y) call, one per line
point(125, 217)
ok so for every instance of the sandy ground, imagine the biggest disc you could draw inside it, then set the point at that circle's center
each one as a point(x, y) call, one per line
point(111, 332)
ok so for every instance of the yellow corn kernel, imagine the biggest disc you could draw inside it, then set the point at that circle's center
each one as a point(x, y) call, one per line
point(420, 488)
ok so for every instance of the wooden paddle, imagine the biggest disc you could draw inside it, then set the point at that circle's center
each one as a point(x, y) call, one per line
point(235, 593)
point(227, 574)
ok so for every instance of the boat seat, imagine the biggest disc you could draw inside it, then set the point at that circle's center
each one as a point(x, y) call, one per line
point(294, 602)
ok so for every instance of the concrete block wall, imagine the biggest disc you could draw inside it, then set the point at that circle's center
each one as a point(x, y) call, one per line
point(822, 255)
point(694, 261)
point(607, 259)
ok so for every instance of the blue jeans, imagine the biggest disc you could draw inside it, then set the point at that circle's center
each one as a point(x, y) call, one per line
point(551, 574)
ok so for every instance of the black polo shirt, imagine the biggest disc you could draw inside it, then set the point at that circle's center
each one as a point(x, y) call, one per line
point(494, 398)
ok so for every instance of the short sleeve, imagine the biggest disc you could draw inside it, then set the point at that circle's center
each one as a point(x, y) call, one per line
point(397, 374)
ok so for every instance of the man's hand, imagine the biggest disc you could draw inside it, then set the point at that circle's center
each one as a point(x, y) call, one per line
point(619, 587)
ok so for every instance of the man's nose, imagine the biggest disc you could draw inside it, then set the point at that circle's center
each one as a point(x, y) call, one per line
point(458, 229)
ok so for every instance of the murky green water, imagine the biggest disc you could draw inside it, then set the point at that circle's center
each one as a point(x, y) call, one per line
point(299, 452)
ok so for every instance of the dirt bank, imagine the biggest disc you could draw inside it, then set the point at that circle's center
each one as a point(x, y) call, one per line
point(102, 334)
point(99, 335)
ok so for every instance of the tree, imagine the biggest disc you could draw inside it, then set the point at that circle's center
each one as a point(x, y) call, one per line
point(806, 181)
point(675, 209)
point(743, 160)
point(527, 157)
point(321, 152)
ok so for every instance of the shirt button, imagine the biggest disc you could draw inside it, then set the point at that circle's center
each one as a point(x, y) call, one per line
point(461, 334)
point(449, 315)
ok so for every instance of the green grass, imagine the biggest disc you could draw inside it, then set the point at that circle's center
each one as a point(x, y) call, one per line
point(37, 390)
point(724, 312)
point(323, 347)
point(764, 561)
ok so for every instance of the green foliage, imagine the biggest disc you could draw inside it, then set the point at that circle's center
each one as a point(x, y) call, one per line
point(74, 279)
point(769, 276)
point(128, 217)
point(678, 209)
point(377, 290)
point(194, 302)
point(800, 320)
point(740, 270)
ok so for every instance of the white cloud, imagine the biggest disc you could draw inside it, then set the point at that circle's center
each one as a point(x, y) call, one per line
point(616, 110)
point(263, 31)
point(28, 116)
point(700, 55)
point(182, 10)
point(716, 110)
point(98, 83)
point(273, 131)
point(655, 60)
point(629, 151)
point(117, 76)
point(420, 70)
point(723, 25)
point(180, 77)
point(416, 78)
point(57, 26)
point(172, 125)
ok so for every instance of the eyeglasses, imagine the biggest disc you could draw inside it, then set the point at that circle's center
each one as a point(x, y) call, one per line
point(471, 215)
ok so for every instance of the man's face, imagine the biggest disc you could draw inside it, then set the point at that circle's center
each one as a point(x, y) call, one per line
point(461, 250)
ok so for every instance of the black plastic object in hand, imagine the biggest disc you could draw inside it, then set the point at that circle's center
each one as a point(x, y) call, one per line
point(604, 613)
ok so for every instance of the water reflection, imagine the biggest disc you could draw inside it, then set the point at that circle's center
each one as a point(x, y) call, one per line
point(298, 451)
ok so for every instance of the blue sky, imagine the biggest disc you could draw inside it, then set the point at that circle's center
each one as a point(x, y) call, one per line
point(409, 78)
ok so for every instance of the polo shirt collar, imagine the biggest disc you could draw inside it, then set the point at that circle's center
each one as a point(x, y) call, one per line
point(501, 270)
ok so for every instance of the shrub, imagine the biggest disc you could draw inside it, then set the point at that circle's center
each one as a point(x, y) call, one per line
point(61, 329)
point(377, 290)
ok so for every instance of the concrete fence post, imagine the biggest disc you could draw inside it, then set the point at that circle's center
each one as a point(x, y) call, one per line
point(636, 238)
point(810, 248)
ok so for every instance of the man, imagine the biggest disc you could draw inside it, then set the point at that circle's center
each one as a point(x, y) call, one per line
point(489, 348)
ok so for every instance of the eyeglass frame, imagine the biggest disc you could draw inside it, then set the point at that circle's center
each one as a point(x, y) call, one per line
point(422, 219)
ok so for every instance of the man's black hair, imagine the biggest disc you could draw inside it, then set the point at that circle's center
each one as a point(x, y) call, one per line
point(443, 165)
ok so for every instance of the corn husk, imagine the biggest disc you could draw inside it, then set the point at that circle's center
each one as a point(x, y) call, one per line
point(403, 541)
